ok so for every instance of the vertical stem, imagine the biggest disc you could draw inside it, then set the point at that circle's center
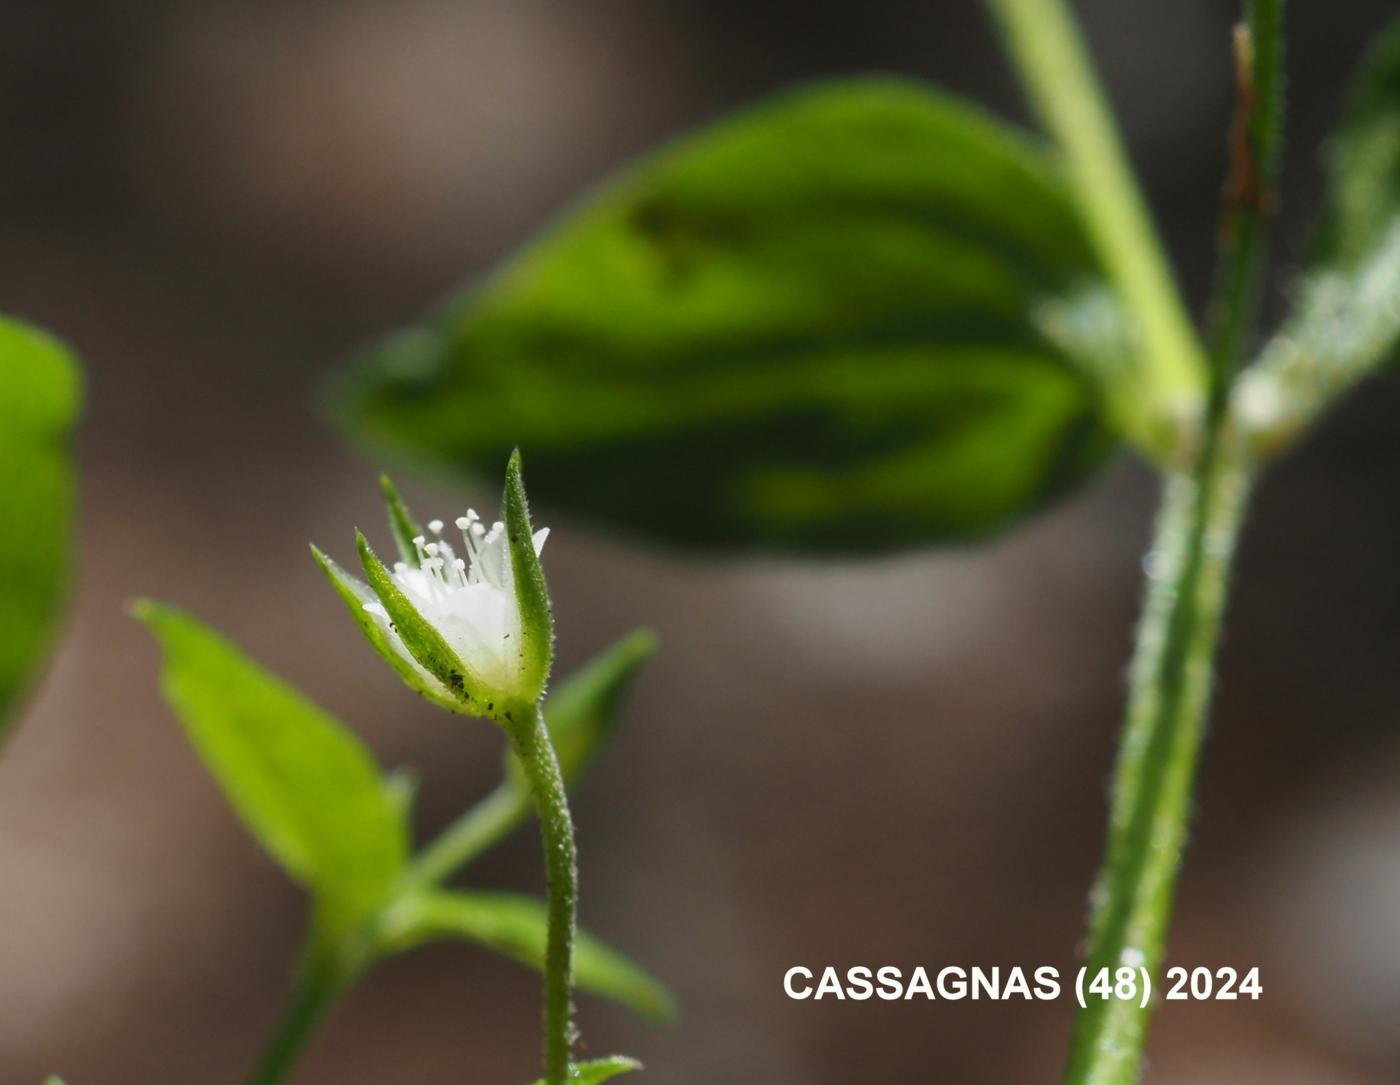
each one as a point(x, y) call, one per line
point(310, 1001)
point(1189, 567)
point(1060, 82)
point(536, 753)
point(1249, 197)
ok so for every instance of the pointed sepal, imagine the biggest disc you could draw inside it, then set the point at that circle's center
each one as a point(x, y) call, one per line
point(422, 639)
point(401, 522)
point(355, 593)
point(531, 591)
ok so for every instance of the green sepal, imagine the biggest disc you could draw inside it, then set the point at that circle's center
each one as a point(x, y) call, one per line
point(423, 641)
point(355, 593)
point(599, 1070)
point(517, 926)
point(401, 522)
point(531, 591)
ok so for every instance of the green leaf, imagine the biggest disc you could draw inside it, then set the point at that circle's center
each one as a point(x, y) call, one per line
point(531, 592)
point(810, 327)
point(1363, 160)
point(355, 594)
point(301, 781)
point(582, 712)
point(1345, 324)
point(599, 1070)
point(517, 926)
point(39, 402)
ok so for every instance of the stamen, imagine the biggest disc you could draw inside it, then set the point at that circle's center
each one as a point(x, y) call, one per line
point(435, 526)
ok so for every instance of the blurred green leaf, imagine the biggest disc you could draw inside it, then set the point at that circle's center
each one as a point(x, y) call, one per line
point(599, 1070)
point(580, 714)
point(1363, 160)
point(812, 327)
point(517, 926)
point(39, 401)
point(1345, 322)
point(302, 782)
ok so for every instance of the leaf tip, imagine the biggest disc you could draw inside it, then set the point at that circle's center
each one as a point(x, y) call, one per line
point(640, 645)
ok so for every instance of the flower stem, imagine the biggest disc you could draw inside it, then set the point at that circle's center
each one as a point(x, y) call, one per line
point(530, 739)
point(1060, 82)
point(1188, 571)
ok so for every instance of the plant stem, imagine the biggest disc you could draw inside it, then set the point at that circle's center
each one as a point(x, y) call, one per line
point(530, 739)
point(485, 824)
point(1189, 565)
point(310, 1001)
point(1249, 197)
point(1051, 60)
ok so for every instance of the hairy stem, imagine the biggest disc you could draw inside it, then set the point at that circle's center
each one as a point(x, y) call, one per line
point(1188, 567)
point(532, 746)
point(1249, 198)
point(1050, 58)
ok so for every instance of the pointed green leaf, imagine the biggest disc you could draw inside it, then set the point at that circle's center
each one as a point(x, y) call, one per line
point(401, 522)
point(422, 639)
point(1345, 324)
point(1363, 159)
point(39, 399)
point(812, 327)
point(582, 712)
point(517, 926)
point(355, 594)
point(301, 781)
point(599, 1070)
point(531, 592)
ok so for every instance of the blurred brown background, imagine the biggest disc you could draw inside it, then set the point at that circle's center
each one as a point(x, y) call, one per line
point(894, 763)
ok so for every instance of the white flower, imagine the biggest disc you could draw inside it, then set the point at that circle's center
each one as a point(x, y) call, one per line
point(470, 601)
